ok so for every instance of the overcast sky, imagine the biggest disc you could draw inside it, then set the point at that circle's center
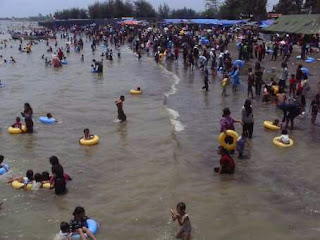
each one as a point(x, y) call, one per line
point(25, 8)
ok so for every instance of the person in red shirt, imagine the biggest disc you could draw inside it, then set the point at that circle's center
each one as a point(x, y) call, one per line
point(227, 165)
point(176, 53)
point(293, 85)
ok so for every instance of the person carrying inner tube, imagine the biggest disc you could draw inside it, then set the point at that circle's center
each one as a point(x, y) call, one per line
point(119, 103)
point(227, 123)
point(27, 114)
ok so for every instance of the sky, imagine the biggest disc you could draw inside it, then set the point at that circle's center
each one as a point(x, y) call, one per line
point(26, 8)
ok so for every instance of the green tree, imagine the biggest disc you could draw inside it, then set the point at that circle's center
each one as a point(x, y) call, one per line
point(144, 9)
point(312, 6)
point(289, 6)
point(256, 8)
point(184, 13)
point(164, 11)
point(231, 9)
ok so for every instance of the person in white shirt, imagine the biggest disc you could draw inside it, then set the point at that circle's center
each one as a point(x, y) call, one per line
point(284, 138)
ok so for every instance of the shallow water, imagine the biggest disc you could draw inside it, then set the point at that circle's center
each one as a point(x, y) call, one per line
point(163, 154)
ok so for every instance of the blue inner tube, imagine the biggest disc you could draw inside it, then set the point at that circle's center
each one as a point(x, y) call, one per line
point(94, 71)
point(64, 62)
point(46, 120)
point(1, 85)
point(305, 71)
point(4, 170)
point(92, 226)
point(239, 63)
point(310, 60)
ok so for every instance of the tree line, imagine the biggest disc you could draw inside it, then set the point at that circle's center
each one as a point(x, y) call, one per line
point(229, 9)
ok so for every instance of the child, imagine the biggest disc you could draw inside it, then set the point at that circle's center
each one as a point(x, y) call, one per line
point(284, 138)
point(64, 233)
point(79, 223)
point(241, 144)
point(49, 116)
point(27, 179)
point(87, 135)
point(183, 220)
point(293, 85)
point(82, 58)
point(276, 122)
point(138, 89)
point(227, 164)
point(2, 164)
point(17, 124)
point(224, 84)
point(314, 109)
point(37, 182)
point(45, 177)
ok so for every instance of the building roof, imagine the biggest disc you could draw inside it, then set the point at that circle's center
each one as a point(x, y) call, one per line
point(298, 24)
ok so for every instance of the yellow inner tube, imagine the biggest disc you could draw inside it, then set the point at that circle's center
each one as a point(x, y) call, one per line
point(280, 144)
point(269, 125)
point(17, 130)
point(275, 88)
point(18, 185)
point(223, 143)
point(93, 141)
point(135, 92)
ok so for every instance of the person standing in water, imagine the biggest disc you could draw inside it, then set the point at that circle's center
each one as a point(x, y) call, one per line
point(206, 80)
point(27, 114)
point(119, 103)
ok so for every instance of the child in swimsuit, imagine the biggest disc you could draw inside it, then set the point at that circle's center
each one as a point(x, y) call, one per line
point(284, 138)
point(276, 122)
point(17, 124)
point(224, 84)
point(183, 220)
point(79, 224)
point(87, 135)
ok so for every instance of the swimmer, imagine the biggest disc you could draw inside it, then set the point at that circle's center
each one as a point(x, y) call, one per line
point(87, 135)
point(2, 164)
point(49, 116)
point(227, 164)
point(284, 138)
point(37, 182)
point(183, 220)
point(65, 233)
point(12, 59)
point(17, 124)
point(82, 58)
point(276, 122)
point(28, 179)
point(79, 223)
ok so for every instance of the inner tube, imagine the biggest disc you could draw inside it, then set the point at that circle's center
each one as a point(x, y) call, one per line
point(310, 60)
point(269, 125)
point(239, 63)
point(2, 85)
point(93, 141)
point(93, 226)
point(305, 71)
point(222, 138)
point(17, 130)
point(4, 170)
point(94, 71)
point(280, 144)
point(46, 120)
point(65, 62)
point(135, 92)
point(275, 88)
point(19, 185)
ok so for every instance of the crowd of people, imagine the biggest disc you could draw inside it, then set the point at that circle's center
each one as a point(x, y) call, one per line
point(226, 53)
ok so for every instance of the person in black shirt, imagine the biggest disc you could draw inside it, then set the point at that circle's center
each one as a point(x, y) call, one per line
point(58, 181)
